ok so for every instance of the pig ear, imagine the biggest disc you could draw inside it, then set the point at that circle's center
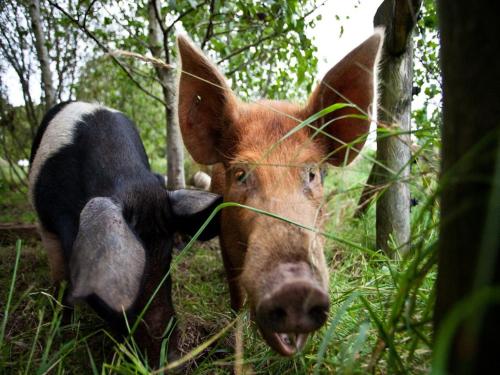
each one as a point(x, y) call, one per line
point(352, 81)
point(205, 103)
point(107, 259)
point(191, 208)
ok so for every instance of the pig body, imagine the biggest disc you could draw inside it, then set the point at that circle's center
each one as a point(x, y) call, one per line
point(106, 220)
point(201, 180)
point(264, 159)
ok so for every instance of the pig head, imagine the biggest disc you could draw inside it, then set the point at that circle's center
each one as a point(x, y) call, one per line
point(119, 272)
point(266, 161)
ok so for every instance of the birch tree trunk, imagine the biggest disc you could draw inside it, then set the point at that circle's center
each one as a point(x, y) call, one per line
point(42, 53)
point(469, 243)
point(394, 112)
point(175, 149)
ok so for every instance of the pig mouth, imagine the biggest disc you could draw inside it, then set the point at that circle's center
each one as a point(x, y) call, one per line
point(290, 308)
point(286, 344)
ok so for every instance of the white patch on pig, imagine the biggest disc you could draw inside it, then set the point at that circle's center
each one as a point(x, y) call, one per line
point(201, 180)
point(59, 133)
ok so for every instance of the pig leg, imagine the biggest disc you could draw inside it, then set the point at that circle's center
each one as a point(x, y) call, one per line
point(232, 275)
point(159, 321)
point(55, 255)
point(54, 250)
point(58, 246)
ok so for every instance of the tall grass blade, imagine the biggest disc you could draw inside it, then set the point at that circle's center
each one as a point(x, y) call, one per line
point(327, 338)
point(11, 293)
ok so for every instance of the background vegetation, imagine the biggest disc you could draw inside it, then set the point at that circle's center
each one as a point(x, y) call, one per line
point(381, 315)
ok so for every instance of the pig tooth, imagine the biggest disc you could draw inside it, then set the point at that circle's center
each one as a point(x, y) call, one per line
point(290, 339)
point(286, 339)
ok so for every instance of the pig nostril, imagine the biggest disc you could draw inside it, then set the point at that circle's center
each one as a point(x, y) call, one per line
point(318, 314)
point(277, 315)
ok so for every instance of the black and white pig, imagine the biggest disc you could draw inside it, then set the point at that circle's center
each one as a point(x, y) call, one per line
point(107, 222)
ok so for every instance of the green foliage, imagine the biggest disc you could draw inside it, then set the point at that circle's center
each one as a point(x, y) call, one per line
point(381, 307)
point(380, 315)
point(427, 68)
point(427, 117)
point(17, 53)
point(14, 204)
point(261, 46)
point(16, 134)
point(427, 76)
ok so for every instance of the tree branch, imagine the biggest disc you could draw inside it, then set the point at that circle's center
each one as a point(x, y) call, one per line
point(159, 19)
point(89, 8)
point(19, 66)
point(270, 36)
point(105, 49)
point(248, 46)
point(182, 15)
point(210, 26)
point(163, 30)
point(399, 17)
point(42, 53)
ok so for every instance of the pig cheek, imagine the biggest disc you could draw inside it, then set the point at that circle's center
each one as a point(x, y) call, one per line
point(316, 254)
point(236, 223)
point(318, 262)
point(235, 230)
point(315, 192)
point(254, 279)
point(251, 285)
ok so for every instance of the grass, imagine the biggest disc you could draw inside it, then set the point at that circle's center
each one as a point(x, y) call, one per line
point(14, 206)
point(380, 318)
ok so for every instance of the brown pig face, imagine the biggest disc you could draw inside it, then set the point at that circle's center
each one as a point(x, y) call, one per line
point(284, 273)
point(265, 164)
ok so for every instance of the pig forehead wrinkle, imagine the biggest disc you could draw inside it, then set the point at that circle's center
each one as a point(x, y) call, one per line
point(263, 142)
point(274, 156)
point(263, 123)
point(258, 135)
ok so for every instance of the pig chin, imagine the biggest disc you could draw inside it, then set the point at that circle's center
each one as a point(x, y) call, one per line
point(293, 305)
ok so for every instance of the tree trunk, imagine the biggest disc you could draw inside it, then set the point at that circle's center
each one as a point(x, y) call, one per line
point(175, 147)
point(469, 259)
point(42, 53)
point(393, 151)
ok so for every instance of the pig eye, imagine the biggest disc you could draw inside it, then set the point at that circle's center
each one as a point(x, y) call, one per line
point(312, 175)
point(240, 176)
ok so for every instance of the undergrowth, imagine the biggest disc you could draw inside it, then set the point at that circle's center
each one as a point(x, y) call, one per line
point(379, 321)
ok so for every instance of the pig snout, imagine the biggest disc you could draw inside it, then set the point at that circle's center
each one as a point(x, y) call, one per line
point(295, 306)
